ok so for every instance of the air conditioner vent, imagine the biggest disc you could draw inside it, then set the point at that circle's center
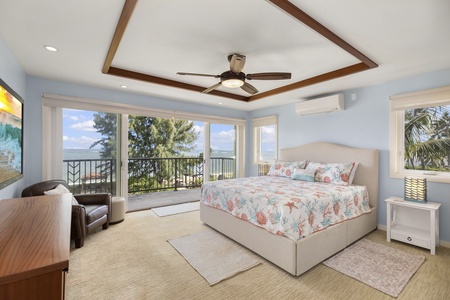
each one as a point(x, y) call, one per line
point(320, 105)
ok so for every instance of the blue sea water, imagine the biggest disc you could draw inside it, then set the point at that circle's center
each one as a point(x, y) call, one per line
point(95, 153)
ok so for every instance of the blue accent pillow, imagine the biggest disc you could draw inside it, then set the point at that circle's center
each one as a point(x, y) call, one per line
point(303, 174)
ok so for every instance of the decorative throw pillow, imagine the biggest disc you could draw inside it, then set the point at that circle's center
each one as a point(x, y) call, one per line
point(304, 174)
point(285, 168)
point(334, 173)
point(352, 174)
point(61, 189)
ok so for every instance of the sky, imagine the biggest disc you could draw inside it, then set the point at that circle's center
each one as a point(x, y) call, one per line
point(79, 132)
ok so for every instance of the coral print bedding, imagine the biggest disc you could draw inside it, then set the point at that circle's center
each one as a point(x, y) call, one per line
point(287, 207)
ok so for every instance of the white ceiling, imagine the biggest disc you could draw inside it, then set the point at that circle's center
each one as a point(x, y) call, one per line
point(404, 37)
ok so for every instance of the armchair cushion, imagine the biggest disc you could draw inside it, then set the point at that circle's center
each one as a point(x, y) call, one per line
point(95, 212)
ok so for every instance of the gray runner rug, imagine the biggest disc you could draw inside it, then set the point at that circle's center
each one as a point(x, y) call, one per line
point(383, 268)
point(214, 256)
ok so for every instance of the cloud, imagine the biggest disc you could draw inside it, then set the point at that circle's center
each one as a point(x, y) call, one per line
point(268, 134)
point(83, 142)
point(223, 140)
point(84, 126)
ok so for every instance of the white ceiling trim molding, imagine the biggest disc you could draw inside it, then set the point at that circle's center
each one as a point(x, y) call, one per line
point(55, 100)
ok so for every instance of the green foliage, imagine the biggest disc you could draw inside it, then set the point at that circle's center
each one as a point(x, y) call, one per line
point(106, 124)
point(148, 137)
point(156, 137)
point(427, 138)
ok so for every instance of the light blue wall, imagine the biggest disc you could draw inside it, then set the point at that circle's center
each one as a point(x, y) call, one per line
point(14, 76)
point(363, 124)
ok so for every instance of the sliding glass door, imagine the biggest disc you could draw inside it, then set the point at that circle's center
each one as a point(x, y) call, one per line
point(91, 151)
point(223, 151)
point(97, 146)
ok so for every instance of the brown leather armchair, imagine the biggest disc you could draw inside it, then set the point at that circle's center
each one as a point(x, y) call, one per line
point(93, 210)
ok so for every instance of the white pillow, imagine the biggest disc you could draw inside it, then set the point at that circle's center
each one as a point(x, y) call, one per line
point(61, 189)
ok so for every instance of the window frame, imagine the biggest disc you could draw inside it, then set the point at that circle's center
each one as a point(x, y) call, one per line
point(52, 105)
point(398, 105)
point(257, 123)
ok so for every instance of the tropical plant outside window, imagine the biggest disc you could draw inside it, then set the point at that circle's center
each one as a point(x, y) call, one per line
point(427, 139)
point(420, 135)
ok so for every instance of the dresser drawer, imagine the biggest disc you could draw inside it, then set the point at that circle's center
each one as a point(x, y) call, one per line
point(411, 239)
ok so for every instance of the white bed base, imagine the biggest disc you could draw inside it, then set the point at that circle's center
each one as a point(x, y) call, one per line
point(297, 257)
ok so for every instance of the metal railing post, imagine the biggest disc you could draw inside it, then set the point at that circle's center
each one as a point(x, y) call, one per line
point(176, 174)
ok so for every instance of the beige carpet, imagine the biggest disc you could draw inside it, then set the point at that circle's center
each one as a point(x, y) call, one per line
point(213, 255)
point(133, 260)
point(385, 268)
point(176, 209)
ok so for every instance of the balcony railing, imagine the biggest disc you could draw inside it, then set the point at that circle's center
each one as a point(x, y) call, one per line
point(144, 174)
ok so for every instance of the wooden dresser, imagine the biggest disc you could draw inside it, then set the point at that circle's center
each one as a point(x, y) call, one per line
point(34, 246)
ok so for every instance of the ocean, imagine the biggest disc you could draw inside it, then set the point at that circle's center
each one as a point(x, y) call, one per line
point(95, 153)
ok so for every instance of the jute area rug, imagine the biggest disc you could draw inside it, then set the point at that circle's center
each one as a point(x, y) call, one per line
point(383, 268)
point(214, 256)
point(176, 209)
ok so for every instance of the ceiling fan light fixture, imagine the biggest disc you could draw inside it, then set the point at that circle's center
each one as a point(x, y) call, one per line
point(232, 83)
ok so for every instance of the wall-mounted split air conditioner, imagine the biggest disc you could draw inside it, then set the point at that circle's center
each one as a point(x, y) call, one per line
point(320, 105)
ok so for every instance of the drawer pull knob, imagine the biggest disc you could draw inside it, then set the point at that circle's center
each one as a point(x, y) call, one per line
point(409, 239)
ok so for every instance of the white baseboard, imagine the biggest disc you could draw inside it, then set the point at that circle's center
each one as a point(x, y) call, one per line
point(441, 242)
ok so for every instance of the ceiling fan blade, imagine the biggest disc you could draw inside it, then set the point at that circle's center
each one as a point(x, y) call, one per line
point(198, 74)
point(237, 62)
point(269, 76)
point(249, 88)
point(211, 88)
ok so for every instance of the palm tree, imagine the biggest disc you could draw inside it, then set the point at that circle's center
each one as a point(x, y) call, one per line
point(427, 137)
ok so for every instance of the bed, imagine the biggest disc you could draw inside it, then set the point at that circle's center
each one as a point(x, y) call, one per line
point(298, 256)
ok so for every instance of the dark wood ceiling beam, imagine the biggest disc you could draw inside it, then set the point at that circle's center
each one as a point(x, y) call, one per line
point(172, 83)
point(125, 16)
point(313, 80)
point(322, 30)
point(284, 5)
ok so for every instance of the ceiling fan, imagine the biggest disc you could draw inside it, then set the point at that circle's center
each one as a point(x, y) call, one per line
point(234, 78)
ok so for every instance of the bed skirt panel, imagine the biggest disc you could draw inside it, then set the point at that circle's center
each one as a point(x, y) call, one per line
point(362, 225)
point(277, 249)
point(317, 247)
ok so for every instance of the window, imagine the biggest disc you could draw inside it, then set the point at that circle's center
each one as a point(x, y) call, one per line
point(53, 141)
point(265, 146)
point(420, 135)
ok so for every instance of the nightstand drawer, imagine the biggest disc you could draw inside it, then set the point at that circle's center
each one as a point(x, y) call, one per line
point(410, 239)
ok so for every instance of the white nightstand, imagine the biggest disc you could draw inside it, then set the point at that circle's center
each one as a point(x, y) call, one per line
point(413, 223)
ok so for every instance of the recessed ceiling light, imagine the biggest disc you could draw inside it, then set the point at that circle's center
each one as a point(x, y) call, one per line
point(123, 86)
point(50, 48)
point(220, 103)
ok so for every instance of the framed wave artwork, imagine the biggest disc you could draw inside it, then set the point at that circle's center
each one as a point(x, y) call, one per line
point(11, 135)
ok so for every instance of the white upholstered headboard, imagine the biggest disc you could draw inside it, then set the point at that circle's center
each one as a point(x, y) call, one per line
point(366, 173)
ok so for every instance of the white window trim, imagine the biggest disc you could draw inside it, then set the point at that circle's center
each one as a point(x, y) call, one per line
point(398, 105)
point(257, 123)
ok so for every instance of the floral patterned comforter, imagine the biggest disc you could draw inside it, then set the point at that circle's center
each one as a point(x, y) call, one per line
point(284, 206)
